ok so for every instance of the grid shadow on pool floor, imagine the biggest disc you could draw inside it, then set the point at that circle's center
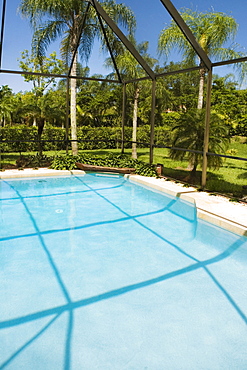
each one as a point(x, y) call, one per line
point(68, 347)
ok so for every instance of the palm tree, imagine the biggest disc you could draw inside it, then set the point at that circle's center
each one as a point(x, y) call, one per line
point(130, 69)
point(189, 134)
point(52, 19)
point(6, 104)
point(212, 31)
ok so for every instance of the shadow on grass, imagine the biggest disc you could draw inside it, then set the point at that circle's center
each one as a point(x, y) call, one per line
point(242, 175)
point(235, 167)
point(8, 160)
point(215, 182)
point(99, 152)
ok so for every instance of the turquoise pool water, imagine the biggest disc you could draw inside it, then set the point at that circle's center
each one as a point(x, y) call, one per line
point(100, 273)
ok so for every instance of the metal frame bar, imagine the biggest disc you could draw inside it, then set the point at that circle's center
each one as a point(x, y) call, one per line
point(231, 61)
point(199, 152)
point(79, 37)
point(152, 122)
point(206, 129)
point(185, 70)
point(67, 114)
point(187, 33)
point(123, 117)
point(2, 31)
point(57, 75)
point(123, 38)
point(108, 46)
point(157, 75)
point(128, 141)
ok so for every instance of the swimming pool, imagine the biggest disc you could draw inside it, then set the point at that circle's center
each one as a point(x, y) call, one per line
point(100, 273)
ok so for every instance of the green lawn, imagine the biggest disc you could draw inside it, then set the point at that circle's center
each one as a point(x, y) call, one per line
point(228, 179)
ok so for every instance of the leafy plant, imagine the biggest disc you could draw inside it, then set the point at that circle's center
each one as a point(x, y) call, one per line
point(64, 162)
point(67, 162)
point(189, 134)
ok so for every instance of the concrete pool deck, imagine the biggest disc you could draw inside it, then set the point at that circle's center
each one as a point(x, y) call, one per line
point(215, 209)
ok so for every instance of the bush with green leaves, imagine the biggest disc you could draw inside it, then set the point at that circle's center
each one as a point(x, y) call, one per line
point(189, 134)
point(67, 162)
point(22, 138)
point(64, 162)
point(54, 138)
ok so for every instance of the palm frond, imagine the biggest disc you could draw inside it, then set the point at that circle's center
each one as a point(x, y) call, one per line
point(44, 35)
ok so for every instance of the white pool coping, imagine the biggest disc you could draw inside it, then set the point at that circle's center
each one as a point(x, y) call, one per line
point(218, 210)
point(30, 172)
point(231, 216)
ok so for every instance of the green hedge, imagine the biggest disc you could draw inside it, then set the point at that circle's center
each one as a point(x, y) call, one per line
point(22, 138)
point(18, 139)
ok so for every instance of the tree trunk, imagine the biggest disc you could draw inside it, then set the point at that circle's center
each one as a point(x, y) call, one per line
point(135, 110)
point(192, 176)
point(74, 144)
point(41, 124)
point(201, 88)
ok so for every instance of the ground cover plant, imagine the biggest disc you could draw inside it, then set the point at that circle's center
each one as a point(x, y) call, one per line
point(67, 162)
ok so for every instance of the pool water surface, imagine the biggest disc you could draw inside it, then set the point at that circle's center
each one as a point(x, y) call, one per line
point(101, 273)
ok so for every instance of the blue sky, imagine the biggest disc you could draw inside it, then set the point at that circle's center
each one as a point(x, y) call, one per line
point(151, 17)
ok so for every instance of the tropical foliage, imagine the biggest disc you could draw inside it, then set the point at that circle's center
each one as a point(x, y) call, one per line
point(68, 163)
point(53, 19)
point(212, 31)
point(6, 105)
point(130, 69)
point(189, 134)
point(96, 107)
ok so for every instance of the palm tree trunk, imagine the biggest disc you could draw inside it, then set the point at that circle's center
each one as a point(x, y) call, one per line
point(201, 88)
point(192, 176)
point(135, 110)
point(73, 109)
point(41, 124)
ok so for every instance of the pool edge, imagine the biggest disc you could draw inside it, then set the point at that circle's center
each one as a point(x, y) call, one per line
point(220, 213)
point(29, 172)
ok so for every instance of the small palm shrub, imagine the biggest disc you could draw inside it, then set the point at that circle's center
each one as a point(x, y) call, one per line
point(189, 134)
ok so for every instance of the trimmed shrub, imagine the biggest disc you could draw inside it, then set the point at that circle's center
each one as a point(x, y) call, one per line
point(22, 138)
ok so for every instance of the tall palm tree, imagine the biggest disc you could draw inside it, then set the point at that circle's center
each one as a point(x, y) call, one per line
point(53, 19)
point(212, 31)
point(130, 69)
